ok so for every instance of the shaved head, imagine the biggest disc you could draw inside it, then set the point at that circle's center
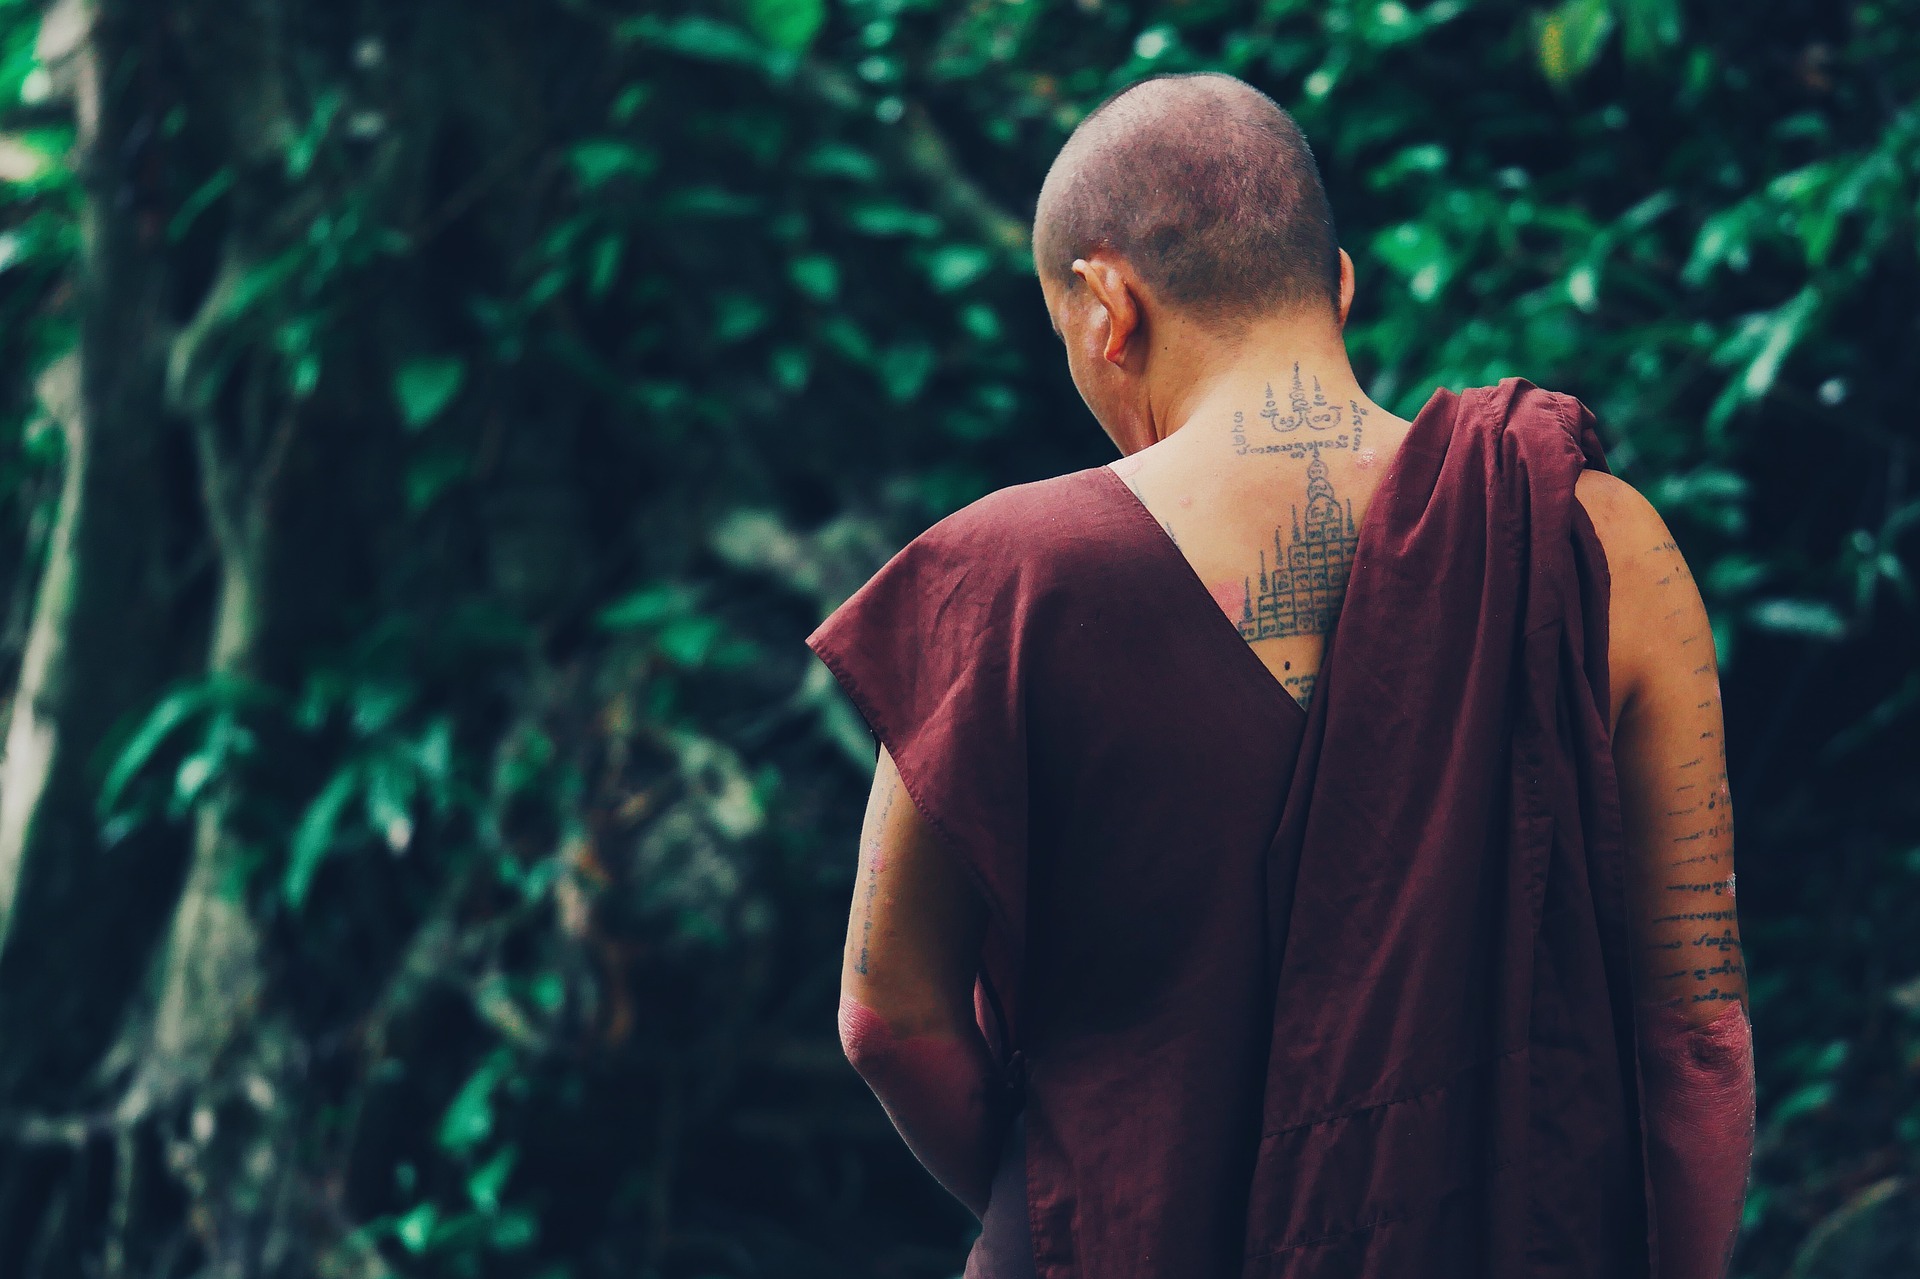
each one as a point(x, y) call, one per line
point(1207, 188)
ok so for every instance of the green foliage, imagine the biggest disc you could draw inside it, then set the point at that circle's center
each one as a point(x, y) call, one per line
point(425, 387)
point(787, 25)
point(612, 345)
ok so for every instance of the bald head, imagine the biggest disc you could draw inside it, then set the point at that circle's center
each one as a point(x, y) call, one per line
point(1207, 188)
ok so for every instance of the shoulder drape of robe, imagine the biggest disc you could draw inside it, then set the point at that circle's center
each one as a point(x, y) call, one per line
point(1331, 994)
point(1451, 1082)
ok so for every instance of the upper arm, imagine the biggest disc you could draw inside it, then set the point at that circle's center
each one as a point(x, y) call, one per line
point(1669, 751)
point(915, 930)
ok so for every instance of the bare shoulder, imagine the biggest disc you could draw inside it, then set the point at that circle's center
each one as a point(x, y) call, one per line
point(1642, 558)
point(1618, 511)
point(1657, 623)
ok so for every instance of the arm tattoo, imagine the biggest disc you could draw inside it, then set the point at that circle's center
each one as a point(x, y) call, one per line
point(876, 861)
point(1710, 957)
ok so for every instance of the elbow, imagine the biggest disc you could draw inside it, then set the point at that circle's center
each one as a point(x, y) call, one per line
point(1699, 1128)
point(1699, 1077)
point(864, 1037)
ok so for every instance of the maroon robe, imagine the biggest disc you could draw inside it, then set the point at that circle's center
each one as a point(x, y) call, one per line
point(1341, 993)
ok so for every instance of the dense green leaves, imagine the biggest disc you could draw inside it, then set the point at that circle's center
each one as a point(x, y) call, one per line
point(582, 355)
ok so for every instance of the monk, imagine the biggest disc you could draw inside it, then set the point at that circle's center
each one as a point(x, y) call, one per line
point(1301, 847)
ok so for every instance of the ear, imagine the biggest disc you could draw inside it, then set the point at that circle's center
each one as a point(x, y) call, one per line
point(1110, 287)
point(1346, 287)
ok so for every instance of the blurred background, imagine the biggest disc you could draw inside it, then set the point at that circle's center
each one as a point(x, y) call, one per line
point(427, 430)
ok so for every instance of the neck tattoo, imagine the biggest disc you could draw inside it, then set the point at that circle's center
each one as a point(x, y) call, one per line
point(1327, 425)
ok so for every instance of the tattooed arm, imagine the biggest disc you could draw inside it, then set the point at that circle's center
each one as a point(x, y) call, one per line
point(1696, 1048)
point(906, 995)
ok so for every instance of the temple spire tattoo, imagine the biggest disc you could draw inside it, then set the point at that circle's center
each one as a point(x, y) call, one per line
point(1301, 594)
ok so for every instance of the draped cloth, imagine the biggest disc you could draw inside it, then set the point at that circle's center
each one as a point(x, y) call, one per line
point(1340, 992)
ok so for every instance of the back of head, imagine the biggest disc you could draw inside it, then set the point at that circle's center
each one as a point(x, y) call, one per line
point(1207, 188)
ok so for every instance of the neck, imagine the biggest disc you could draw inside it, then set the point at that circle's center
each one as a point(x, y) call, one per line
point(1275, 372)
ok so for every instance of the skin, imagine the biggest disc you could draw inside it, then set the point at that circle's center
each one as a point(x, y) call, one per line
point(1221, 425)
point(1221, 422)
point(1696, 1043)
point(907, 1017)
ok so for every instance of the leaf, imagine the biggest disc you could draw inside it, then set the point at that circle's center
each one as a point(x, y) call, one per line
point(1724, 238)
point(304, 377)
point(172, 712)
point(1648, 27)
point(605, 266)
point(430, 476)
point(1813, 619)
point(1870, 1233)
point(892, 220)
point(515, 1230)
point(843, 335)
point(304, 149)
point(955, 266)
point(629, 102)
point(1419, 253)
point(981, 322)
point(791, 368)
point(426, 386)
point(313, 837)
point(787, 25)
point(646, 607)
point(1425, 158)
point(433, 756)
point(1571, 37)
point(1583, 287)
point(1783, 330)
point(390, 787)
point(548, 992)
point(469, 1117)
point(688, 641)
point(1649, 211)
point(194, 772)
point(599, 161)
point(484, 1186)
point(817, 276)
point(1734, 574)
point(378, 703)
point(1906, 996)
point(737, 316)
point(839, 722)
point(709, 202)
point(1830, 1058)
point(199, 202)
point(1801, 1101)
point(21, 163)
point(415, 1229)
point(1392, 22)
point(696, 37)
point(838, 160)
point(904, 369)
point(1885, 715)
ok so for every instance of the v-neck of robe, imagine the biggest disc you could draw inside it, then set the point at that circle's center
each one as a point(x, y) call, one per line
point(1196, 591)
point(1193, 593)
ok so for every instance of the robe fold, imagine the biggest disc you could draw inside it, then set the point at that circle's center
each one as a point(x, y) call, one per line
point(1288, 994)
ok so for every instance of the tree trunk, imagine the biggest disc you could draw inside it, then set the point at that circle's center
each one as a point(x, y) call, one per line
point(100, 646)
